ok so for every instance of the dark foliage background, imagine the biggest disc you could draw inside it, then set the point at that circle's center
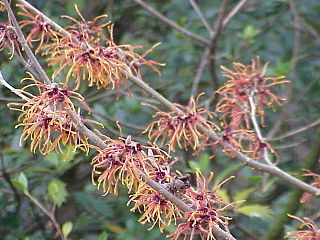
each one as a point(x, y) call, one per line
point(284, 32)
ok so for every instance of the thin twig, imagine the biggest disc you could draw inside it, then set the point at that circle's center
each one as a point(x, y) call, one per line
point(289, 145)
point(49, 214)
point(200, 15)
point(219, 22)
point(203, 62)
point(213, 48)
point(296, 131)
point(233, 12)
point(172, 24)
point(213, 35)
point(12, 89)
point(7, 178)
point(257, 128)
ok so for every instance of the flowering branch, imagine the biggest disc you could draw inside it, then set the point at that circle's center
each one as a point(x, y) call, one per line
point(126, 161)
point(273, 170)
point(81, 128)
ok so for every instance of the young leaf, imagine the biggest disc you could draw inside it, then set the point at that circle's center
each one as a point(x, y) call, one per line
point(57, 191)
point(204, 162)
point(21, 182)
point(223, 194)
point(244, 194)
point(255, 210)
point(66, 228)
point(103, 236)
point(225, 173)
point(193, 165)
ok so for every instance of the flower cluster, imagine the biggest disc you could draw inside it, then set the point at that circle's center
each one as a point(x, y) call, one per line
point(156, 209)
point(86, 52)
point(120, 160)
point(180, 127)
point(45, 117)
point(312, 232)
point(41, 30)
point(246, 81)
point(207, 211)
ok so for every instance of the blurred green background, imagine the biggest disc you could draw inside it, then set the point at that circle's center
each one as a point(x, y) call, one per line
point(286, 33)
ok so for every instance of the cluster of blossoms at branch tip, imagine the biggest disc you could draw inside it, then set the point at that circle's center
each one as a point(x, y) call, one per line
point(45, 117)
point(207, 215)
point(86, 52)
point(246, 81)
point(180, 127)
point(119, 161)
point(41, 31)
point(310, 230)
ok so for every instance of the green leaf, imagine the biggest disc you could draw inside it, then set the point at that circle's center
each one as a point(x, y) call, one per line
point(223, 175)
point(204, 162)
point(193, 165)
point(255, 179)
point(256, 210)
point(21, 182)
point(57, 191)
point(249, 33)
point(66, 228)
point(63, 160)
point(244, 194)
point(92, 203)
point(68, 153)
point(103, 236)
point(223, 194)
point(115, 228)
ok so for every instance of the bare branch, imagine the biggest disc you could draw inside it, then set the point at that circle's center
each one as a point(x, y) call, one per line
point(203, 62)
point(172, 24)
point(257, 128)
point(221, 22)
point(49, 214)
point(296, 131)
point(200, 15)
point(233, 12)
